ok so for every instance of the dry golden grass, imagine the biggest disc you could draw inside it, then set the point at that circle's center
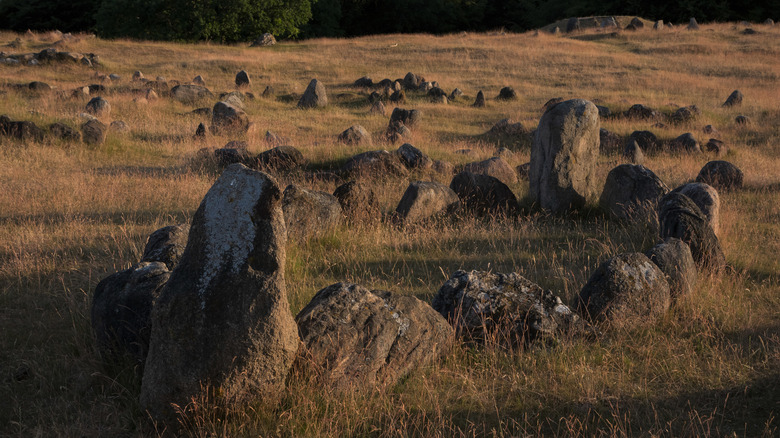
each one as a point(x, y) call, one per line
point(71, 214)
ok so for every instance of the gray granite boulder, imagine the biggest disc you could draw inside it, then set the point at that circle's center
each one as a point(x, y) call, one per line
point(314, 96)
point(309, 213)
point(673, 257)
point(425, 200)
point(632, 192)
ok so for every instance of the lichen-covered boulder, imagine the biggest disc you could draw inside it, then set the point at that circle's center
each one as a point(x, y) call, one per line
point(309, 213)
point(722, 175)
point(673, 257)
point(680, 217)
point(227, 118)
point(426, 199)
point(359, 338)
point(280, 158)
point(632, 192)
point(625, 291)
point(374, 164)
point(222, 326)
point(413, 158)
point(564, 154)
point(506, 308)
point(190, 94)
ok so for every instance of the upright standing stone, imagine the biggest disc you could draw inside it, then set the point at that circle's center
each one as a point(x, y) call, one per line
point(314, 96)
point(564, 154)
point(222, 327)
point(242, 79)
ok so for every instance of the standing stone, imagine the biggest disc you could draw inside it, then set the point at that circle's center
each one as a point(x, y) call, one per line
point(98, 107)
point(496, 167)
point(680, 217)
point(625, 291)
point(673, 257)
point(200, 131)
point(357, 338)
point(378, 108)
point(309, 213)
point(722, 175)
point(426, 199)
point(222, 327)
point(242, 79)
point(646, 140)
point(412, 82)
point(198, 80)
point(413, 158)
point(706, 198)
point(375, 164)
point(659, 25)
point(94, 132)
point(633, 153)
point(692, 24)
point(564, 154)
point(314, 96)
point(479, 102)
point(280, 158)
point(506, 308)
point(228, 119)
point(632, 192)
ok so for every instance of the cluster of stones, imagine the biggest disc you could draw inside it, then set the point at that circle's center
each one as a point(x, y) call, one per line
point(205, 312)
point(49, 55)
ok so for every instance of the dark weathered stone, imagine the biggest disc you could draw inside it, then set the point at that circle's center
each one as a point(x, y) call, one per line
point(314, 96)
point(640, 112)
point(633, 153)
point(734, 99)
point(413, 158)
point(228, 119)
point(706, 198)
point(685, 114)
point(94, 132)
point(742, 120)
point(625, 291)
point(680, 217)
point(280, 158)
point(609, 142)
point(646, 140)
point(227, 156)
point(242, 79)
point(721, 174)
point(496, 167)
point(564, 154)
point(374, 164)
point(309, 213)
point(505, 308)
point(716, 147)
point(358, 338)
point(64, 132)
point(121, 309)
point(424, 200)
point(355, 135)
point(673, 257)
point(685, 143)
point(222, 326)
point(479, 102)
point(692, 24)
point(364, 82)
point(484, 194)
point(632, 192)
point(190, 94)
point(166, 245)
point(507, 93)
point(358, 202)
point(99, 107)
point(412, 81)
point(264, 40)
point(408, 118)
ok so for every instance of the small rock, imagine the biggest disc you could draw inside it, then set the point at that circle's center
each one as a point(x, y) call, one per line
point(609, 142)
point(717, 147)
point(632, 192)
point(706, 198)
point(693, 25)
point(378, 108)
point(496, 167)
point(264, 40)
point(507, 93)
point(633, 153)
point(374, 164)
point(280, 158)
point(198, 80)
point(646, 140)
point(742, 120)
point(314, 96)
point(119, 126)
point(734, 99)
point(484, 194)
point(166, 245)
point(64, 132)
point(227, 119)
point(721, 174)
point(479, 102)
point(99, 107)
point(355, 135)
point(456, 93)
point(190, 94)
point(364, 82)
point(685, 143)
point(358, 202)
point(242, 79)
point(680, 217)
point(138, 76)
point(413, 158)
point(673, 257)
point(94, 132)
point(424, 200)
point(640, 112)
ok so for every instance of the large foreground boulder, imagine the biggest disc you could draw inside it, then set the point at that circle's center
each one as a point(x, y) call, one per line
point(121, 309)
point(673, 257)
point(564, 154)
point(309, 213)
point(222, 327)
point(484, 194)
point(426, 199)
point(679, 217)
point(505, 308)
point(359, 338)
point(625, 291)
point(632, 192)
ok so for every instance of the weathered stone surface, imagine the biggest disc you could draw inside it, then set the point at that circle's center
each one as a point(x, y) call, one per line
point(198, 80)
point(314, 96)
point(361, 338)
point(625, 291)
point(355, 135)
point(742, 120)
point(484, 194)
point(640, 112)
point(413, 158)
point(424, 200)
point(609, 142)
point(443, 168)
point(673, 257)
point(232, 155)
point(228, 119)
point(412, 81)
point(505, 308)
point(692, 24)
point(280, 158)
point(632, 192)
point(358, 202)
point(190, 94)
point(264, 40)
point(734, 99)
point(646, 140)
point(64, 132)
point(166, 245)
point(496, 167)
point(507, 93)
point(408, 118)
point(706, 198)
point(479, 102)
point(121, 308)
point(99, 107)
point(242, 79)
point(716, 147)
point(39, 87)
point(374, 164)
point(721, 174)
point(119, 126)
point(364, 82)
point(564, 154)
point(309, 213)
point(222, 325)
point(633, 153)
point(378, 108)
point(679, 217)
point(685, 143)
point(456, 93)
point(507, 127)
point(94, 132)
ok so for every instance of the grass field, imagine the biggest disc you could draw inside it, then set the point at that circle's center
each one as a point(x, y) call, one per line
point(71, 214)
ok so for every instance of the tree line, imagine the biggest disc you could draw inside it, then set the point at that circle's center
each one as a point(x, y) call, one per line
point(243, 20)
